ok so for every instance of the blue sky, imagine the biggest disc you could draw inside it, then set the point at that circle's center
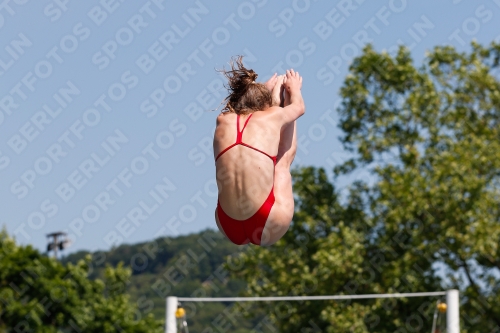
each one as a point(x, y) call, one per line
point(105, 121)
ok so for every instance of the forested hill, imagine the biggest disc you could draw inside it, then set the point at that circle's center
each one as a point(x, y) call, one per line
point(189, 265)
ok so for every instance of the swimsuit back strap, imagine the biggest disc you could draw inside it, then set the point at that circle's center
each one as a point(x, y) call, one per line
point(239, 134)
point(222, 152)
point(260, 151)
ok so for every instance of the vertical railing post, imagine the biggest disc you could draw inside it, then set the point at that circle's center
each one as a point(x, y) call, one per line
point(170, 320)
point(452, 311)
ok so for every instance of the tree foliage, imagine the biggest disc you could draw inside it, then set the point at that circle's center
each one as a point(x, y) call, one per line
point(184, 266)
point(39, 294)
point(427, 219)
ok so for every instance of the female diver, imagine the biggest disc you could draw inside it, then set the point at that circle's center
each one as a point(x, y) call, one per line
point(255, 142)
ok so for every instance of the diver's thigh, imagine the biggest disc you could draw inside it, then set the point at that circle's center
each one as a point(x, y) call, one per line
point(283, 192)
point(274, 229)
point(277, 223)
point(281, 214)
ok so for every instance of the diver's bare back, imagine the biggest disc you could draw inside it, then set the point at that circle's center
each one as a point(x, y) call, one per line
point(245, 176)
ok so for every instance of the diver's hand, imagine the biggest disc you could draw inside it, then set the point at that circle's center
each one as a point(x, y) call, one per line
point(292, 81)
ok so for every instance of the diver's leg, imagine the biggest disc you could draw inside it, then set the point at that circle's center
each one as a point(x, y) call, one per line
point(277, 91)
point(288, 139)
point(282, 212)
point(271, 82)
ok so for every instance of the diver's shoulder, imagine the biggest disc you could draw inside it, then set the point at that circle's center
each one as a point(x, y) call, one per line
point(272, 110)
point(224, 117)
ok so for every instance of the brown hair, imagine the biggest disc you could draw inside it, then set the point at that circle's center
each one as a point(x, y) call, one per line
point(245, 95)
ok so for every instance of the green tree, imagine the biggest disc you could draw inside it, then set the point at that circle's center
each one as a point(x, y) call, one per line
point(39, 294)
point(184, 266)
point(428, 218)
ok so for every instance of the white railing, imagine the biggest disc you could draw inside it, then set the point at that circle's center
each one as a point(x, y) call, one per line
point(452, 302)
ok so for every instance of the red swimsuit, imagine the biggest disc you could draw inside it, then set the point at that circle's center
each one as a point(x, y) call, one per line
point(250, 230)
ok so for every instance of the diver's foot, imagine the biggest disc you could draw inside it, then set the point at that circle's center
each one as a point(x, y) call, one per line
point(277, 92)
point(271, 82)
